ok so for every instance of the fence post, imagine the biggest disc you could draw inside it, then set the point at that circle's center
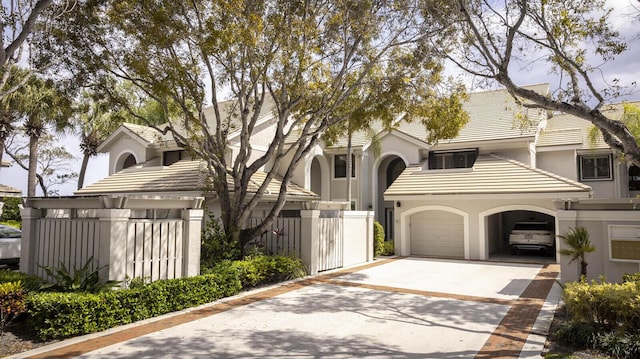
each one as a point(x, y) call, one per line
point(113, 242)
point(192, 219)
point(30, 217)
point(309, 241)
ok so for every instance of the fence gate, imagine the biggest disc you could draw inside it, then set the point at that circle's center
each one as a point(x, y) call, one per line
point(330, 246)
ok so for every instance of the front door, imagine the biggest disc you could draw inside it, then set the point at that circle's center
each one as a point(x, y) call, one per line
point(388, 224)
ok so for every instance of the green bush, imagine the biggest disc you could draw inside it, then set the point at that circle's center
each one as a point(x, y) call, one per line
point(10, 210)
point(633, 277)
point(388, 248)
point(575, 334)
point(262, 269)
point(617, 344)
point(378, 239)
point(28, 282)
point(607, 306)
point(216, 246)
point(60, 315)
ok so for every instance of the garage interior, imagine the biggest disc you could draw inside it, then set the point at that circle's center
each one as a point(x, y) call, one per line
point(500, 224)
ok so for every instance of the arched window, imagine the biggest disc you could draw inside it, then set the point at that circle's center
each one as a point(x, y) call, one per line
point(394, 169)
point(129, 161)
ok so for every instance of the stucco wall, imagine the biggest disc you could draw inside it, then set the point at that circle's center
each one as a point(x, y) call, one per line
point(597, 223)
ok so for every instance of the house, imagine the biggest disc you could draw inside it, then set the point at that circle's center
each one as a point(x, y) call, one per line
point(457, 198)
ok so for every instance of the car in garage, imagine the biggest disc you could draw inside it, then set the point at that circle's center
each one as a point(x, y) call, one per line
point(10, 240)
point(532, 235)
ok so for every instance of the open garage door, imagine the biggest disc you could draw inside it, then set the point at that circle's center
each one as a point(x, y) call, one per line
point(437, 234)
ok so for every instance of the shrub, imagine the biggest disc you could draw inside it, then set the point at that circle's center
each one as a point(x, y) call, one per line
point(11, 302)
point(216, 246)
point(261, 269)
point(10, 210)
point(388, 248)
point(608, 306)
point(378, 238)
point(60, 315)
point(618, 344)
point(634, 277)
point(28, 282)
point(83, 279)
point(575, 334)
point(12, 223)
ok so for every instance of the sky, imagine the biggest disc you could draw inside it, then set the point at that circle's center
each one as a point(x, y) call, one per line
point(625, 66)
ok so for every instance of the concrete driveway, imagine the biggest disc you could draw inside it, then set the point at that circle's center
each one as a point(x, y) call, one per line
point(395, 308)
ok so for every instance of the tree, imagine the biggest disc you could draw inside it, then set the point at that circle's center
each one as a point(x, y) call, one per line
point(496, 40)
point(296, 60)
point(22, 21)
point(577, 240)
point(630, 117)
point(99, 117)
point(54, 162)
point(40, 106)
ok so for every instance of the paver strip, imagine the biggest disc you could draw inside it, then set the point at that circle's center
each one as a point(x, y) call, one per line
point(506, 341)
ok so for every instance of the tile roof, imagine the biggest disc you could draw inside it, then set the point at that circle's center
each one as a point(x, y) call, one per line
point(566, 129)
point(490, 174)
point(9, 191)
point(182, 176)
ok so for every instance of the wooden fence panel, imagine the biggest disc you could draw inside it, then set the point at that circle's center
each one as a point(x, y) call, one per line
point(282, 237)
point(156, 249)
point(330, 245)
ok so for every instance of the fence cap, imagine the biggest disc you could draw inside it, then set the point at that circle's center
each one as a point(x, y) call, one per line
point(115, 202)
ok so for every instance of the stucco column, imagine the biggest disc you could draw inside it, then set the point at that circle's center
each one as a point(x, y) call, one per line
point(192, 219)
point(30, 218)
point(113, 243)
point(309, 243)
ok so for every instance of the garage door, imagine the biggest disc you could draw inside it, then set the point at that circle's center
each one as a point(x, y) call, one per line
point(437, 233)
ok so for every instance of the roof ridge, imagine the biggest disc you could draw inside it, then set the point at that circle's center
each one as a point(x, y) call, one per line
point(542, 172)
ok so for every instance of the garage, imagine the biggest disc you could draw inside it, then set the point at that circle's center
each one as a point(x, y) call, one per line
point(437, 233)
point(499, 226)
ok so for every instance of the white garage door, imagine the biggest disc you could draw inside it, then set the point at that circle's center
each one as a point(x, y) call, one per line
point(437, 233)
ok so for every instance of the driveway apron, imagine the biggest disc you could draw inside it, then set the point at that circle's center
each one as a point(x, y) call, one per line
point(391, 308)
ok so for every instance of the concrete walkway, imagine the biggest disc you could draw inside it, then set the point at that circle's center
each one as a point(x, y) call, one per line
point(394, 308)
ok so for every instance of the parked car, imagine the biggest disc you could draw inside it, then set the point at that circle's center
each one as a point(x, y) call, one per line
point(10, 239)
point(531, 235)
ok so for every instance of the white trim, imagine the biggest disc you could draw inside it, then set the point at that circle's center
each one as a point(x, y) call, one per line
point(482, 229)
point(120, 158)
point(405, 242)
point(374, 175)
point(400, 134)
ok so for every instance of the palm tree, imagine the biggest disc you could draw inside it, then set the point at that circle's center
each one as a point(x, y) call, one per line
point(577, 240)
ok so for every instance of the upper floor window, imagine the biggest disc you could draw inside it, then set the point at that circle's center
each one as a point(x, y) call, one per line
point(340, 166)
point(595, 167)
point(171, 157)
point(129, 162)
point(634, 178)
point(439, 160)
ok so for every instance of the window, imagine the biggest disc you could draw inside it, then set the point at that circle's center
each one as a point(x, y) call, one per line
point(171, 157)
point(595, 167)
point(129, 161)
point(340, 166)
point(439, 160)
point(634, 178)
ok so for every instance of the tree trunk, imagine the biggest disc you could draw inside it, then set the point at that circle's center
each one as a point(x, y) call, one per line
point(33, 166)
point(583, 268)
point(349, 168)
point(83, 170)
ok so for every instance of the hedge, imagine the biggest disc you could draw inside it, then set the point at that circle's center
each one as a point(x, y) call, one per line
point(60, 315)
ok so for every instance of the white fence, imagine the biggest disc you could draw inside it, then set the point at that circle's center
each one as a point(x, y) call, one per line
point(125, 242)
point(160, 237)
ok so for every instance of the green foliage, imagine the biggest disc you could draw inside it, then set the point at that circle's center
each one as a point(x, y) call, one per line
point(83, 279)
point(12, 302)
point(388, 248)
point(60, 315)
point(575, 334)
point(633, 277)
point(216, 246)
point(578, 245)
point(618, 344)
point(10, 210)
point(261, 269)
point(28, 282)
point(378, 238)
point(606, 306)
